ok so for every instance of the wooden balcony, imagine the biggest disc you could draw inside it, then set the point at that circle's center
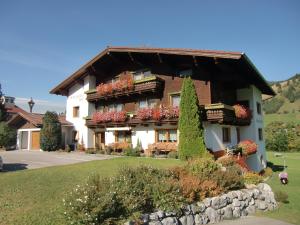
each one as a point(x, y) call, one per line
point(223, 114)
point(147, 85)
point(130, 121)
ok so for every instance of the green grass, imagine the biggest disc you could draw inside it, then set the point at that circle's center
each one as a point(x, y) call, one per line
point(289, 212)
point(289, 117)
point(35, 196)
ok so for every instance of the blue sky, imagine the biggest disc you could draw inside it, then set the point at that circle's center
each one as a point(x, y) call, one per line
point(43, 42)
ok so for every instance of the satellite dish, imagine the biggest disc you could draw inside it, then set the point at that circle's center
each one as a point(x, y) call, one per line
point(2, 100)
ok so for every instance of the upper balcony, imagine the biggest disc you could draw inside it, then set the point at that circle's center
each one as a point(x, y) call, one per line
point(126, 87)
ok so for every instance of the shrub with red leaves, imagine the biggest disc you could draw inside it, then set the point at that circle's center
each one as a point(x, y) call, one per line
point(242, 112)
point(248, 147)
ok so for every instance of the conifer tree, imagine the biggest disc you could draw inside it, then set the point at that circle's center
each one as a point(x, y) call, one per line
point(3, 112)
point(51, 132)
point(191, 141)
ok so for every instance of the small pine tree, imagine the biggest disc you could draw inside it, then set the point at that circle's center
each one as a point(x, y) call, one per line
point(191, 141)
point(8, 135)
point(51, 132)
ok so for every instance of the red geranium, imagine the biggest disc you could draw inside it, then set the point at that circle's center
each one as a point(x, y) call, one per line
point(242, 112)
point(248, 147)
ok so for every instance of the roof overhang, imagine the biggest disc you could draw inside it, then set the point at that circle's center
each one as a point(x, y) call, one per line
point(260, 82)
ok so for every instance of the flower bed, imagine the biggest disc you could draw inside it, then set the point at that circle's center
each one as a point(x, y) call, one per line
point(104, 117)
point(123, 84)
point(242, 112)
point(158, 113)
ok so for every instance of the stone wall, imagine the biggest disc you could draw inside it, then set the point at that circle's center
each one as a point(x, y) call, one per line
point(228, 206)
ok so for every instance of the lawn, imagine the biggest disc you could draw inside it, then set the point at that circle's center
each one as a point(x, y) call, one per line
point(288, 117)
point(35, 196)
point(289, 212)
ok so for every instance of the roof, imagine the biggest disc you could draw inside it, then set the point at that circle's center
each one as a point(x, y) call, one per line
point(35, 118)
point(80, 73)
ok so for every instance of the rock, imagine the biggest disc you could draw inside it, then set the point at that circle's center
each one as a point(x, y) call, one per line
point(236, 203)
point(129, 223)
point(207, 202)
point(264, 187)
point(256, 193)
point(201, 206)
point(190, 220)
point(252, 202)
point(195, 209)
point(145, 218)
point(250, 209)
point(261, 205)
point(187, 210)
point(236, 213)
point(169, 214)
point(170, 221)
point(215, 202)
point(223, 201)
point(212, 215)
point(161, 214)
point(239, 195)
point(228, 213)
point(244, 213)
point(198, 220)
point(155, 223)
point(183, 220)
point(250, 186)
point(153, 216)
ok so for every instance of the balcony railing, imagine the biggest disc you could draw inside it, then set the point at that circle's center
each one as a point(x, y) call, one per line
point(225, 114)
point(149, 84)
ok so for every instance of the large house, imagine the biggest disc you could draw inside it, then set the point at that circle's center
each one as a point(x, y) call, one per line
point(131, 95)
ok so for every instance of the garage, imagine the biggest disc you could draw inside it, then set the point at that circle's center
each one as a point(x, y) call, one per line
point(35, 140)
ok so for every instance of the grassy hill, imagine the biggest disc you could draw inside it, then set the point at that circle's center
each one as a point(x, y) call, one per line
point(285, 106)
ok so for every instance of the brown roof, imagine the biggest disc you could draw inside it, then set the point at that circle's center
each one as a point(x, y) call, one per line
point(35, 118)
point(170, 51)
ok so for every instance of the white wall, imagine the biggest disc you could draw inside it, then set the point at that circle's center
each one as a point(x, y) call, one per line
point(213, 136)
point(77, 97)
point(145, 134)
point(253, 95)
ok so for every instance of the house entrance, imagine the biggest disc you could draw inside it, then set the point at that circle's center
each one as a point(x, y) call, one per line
point(99, 140)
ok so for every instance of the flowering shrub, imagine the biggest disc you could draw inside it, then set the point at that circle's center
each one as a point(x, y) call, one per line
point(102, 117)
point(144, 189)
point(247, 147)
point(242, 112)
point(158, 113)
point(252, 178)
point(123, 84)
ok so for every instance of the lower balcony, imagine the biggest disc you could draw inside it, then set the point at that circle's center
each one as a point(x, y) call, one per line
point(225, 114)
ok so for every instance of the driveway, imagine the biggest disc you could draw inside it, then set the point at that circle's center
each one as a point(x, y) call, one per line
point(21, 159)
point(253, 220)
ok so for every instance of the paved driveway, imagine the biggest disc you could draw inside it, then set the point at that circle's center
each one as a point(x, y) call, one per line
point(21, 159)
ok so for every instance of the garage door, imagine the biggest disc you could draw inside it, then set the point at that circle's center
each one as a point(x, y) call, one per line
point(35, 140)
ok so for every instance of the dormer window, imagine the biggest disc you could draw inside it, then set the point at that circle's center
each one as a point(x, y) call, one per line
point(141, 74)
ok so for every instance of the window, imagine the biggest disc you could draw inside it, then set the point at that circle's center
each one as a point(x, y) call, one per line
point(141, 74)
point(166, 135)
point(258, 108)
point(175, 100)
point(226, 134)
point(123, 136)
point(147, 103)
point(260, 134)
point(115, 107)
point(76, 111)
point(238, 135)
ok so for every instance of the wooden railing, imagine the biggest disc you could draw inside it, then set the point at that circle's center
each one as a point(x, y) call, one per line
point(151, 84)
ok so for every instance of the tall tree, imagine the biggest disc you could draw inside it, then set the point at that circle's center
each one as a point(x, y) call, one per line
point(191, 141)
point(51, 132)
point(3, 112)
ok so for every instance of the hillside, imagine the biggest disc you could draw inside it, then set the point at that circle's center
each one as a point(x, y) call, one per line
point(287, 99)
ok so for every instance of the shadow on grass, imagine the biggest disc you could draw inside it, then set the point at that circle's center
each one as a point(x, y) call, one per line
point(275, 168)
point(10, 167)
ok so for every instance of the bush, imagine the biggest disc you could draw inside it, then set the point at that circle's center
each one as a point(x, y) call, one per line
point(173, 155)
point(93, 203)
point(273, 105)
point(191, 141)
point(8, 135)
point(202, 167)
point(51, 132)
point(267, 172)
point(131, 152)
point(252, 178)
point(281, 196)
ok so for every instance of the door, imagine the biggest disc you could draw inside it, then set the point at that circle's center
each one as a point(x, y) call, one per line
point(24, 139)
point(35, 140)
point(99, 140)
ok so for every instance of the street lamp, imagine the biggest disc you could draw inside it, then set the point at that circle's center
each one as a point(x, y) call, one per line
point(31, 104)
